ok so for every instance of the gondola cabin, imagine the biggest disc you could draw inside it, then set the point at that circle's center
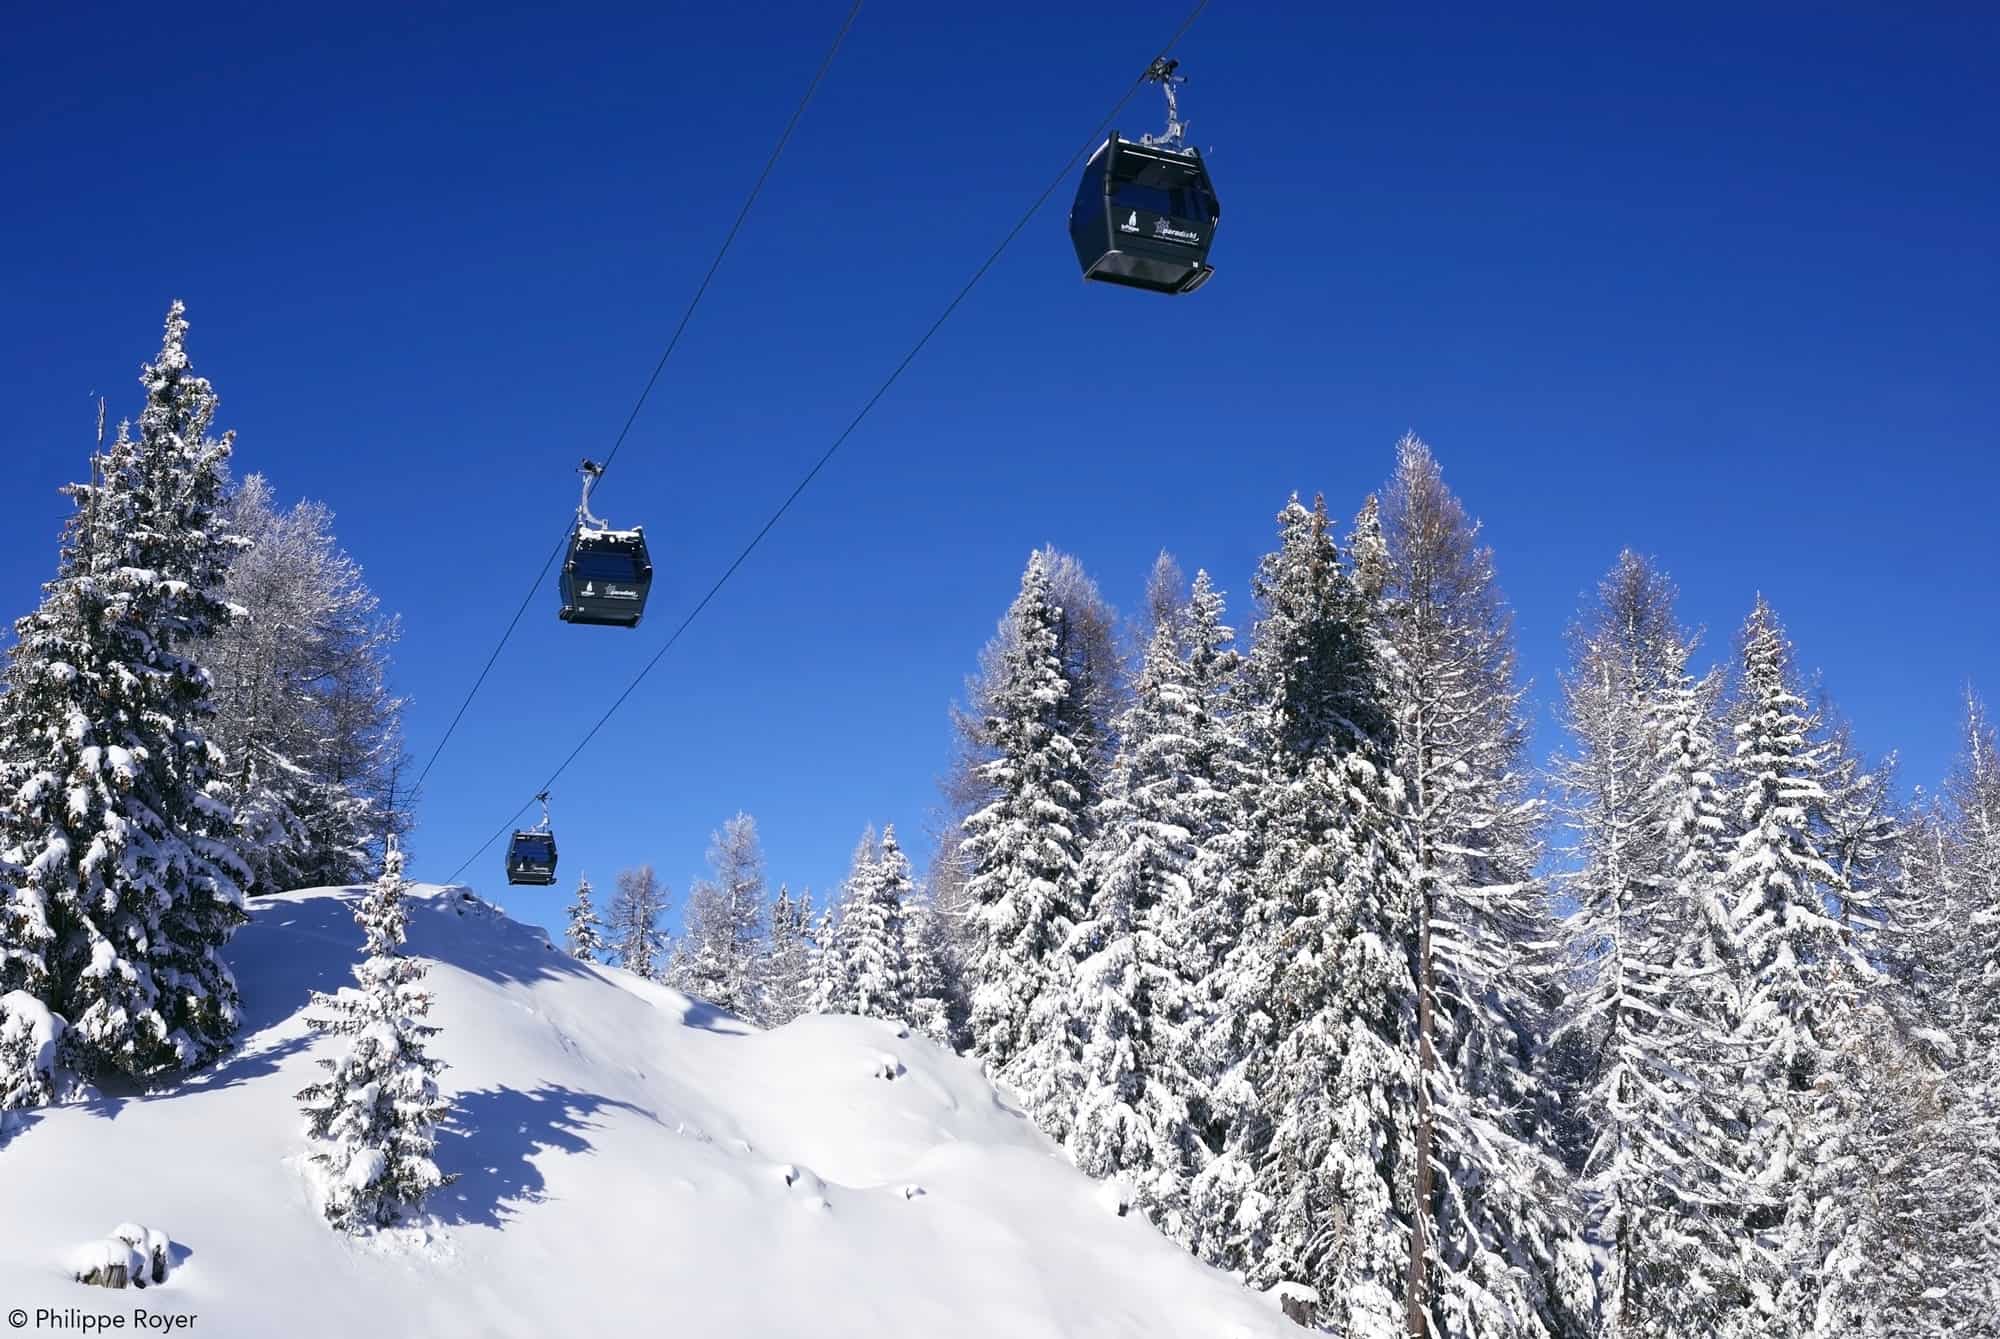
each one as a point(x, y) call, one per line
point(606, 576)
point(1145, 217)
point(531, 858)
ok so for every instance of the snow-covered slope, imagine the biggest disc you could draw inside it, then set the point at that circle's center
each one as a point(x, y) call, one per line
point(630, 1161)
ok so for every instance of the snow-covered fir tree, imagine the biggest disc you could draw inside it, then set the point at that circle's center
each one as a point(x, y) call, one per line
point(725, 920)
point(826, 979)
point(874, 957)
point(937, 999)
point(634, 921)
point(1505, 1232)
point(584, 936)
point(311, 732)
point(787, 970)
point(1800, 975)
point(30, 1073)
point(1136, 991)
point(115, 808)
point(1321, 987)
point(831, 987)
point(374, 1118)
point(1218, 753)
point(1023, 852)
point(1087, 652)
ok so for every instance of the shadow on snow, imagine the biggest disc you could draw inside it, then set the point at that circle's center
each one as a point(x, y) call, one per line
point(491, 1141)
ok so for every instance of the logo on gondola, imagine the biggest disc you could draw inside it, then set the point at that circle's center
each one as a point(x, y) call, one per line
point(1165, 228)
point(1131, 223)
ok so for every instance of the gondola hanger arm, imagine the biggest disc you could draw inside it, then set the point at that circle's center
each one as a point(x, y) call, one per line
point(591, 472)
point(1166, 73)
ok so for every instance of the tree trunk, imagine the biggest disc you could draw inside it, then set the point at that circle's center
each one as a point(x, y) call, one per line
point(1415, 1315)
point(1416, 1320)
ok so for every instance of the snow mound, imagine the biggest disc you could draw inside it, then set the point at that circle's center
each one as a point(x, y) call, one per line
point(627, 1157)
point(132, 1255)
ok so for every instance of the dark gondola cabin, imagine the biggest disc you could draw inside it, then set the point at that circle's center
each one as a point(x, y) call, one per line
point(605, 578)
point(1145, 217)
point(531, 858)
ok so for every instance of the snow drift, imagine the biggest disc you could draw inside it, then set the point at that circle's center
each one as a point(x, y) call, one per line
point(630, 1161)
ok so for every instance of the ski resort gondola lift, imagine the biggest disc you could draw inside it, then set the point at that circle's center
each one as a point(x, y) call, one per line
point(1146, 211)
point(531, 854)
point(606, 573)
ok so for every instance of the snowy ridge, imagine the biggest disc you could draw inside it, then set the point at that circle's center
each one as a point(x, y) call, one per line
point(630, 1161)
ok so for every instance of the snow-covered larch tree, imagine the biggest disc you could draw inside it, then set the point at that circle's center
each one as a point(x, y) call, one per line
point(311, 732)
point(115, 808)
point(1972, 855)
point(634, 922)
point(374, 1118)
point(725, 920)
point(1503, 1225)
point(1858, 825)
point(1652, 990)
point(1165, 601)
point(1907, 1213)
point(584, 936)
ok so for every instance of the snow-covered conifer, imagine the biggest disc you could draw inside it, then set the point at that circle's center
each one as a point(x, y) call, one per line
point(374, 1118)
point(1327, 950)
point(1505, 1242)
point(1908, 1225)
point(312, 735)
point(1166, 598)
point(1857, 824)
point(1136, 986)
point(872, 951)
point(1318, 1006)
point(634, 922)
point(1908, 1216)
point(1023, 847)
point(1972, 856)
point(787, 970)
point(1649, 1007)
point(937, 1006)
point(725, 920)
point(827, 979)
point(30, 1074)
point(1086, 629)
point(115, 807)
point(832, 981)
point(1800, 974)
point(584, 938)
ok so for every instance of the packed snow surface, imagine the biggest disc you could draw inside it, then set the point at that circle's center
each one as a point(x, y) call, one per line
point(630, 1161)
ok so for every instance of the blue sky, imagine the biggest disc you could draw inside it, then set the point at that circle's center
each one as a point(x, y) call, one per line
point(1718, 284)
